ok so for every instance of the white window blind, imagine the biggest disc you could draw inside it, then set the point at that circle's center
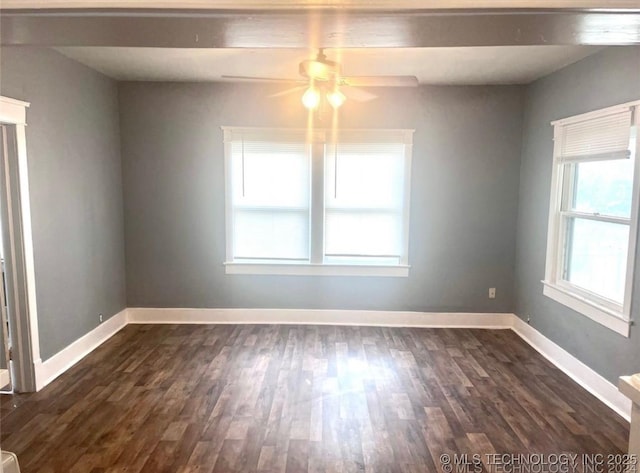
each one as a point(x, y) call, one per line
point(270, 182)
point(598, 138)
point(364, 201)
point(317, 202)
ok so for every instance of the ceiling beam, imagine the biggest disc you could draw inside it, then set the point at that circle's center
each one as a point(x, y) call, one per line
point(318, 28)
point(305, 4)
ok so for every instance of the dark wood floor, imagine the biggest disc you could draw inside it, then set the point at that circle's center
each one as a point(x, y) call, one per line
point(205, 398)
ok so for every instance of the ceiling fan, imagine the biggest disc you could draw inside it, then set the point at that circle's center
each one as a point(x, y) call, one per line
point(323, 78)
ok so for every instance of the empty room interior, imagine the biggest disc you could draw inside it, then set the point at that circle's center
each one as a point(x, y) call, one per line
point(320, 236)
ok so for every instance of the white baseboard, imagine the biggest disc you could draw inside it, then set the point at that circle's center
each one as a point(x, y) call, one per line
point(318, 317)
point(47, 371)
point(4, 378)
point(600, 387)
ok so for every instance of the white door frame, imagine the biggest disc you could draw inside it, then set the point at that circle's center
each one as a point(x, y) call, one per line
point(26, 340)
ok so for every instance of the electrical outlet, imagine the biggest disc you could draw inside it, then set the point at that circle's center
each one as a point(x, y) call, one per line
point(492, 293)
point(100, 317)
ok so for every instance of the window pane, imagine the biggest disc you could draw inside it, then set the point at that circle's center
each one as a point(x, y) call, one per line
point(597, 256)
point(368, 175)
point(362, 233)
point(271, 234)
point(364, 198)
point(271, 174)
point(271, 189)
point(604, 187)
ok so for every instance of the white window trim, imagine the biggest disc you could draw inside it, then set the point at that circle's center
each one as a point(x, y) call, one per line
point(316, 267)
point(309, 269)
point(601, 310)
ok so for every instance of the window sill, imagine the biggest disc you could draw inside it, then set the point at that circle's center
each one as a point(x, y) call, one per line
point(604, 316)
point(305, 269)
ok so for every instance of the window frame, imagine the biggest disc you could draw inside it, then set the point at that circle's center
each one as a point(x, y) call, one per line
point(598, 308)
point(320, 140)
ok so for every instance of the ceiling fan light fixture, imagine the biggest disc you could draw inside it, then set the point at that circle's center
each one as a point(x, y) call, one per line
point(336, 98)
point(311, 98)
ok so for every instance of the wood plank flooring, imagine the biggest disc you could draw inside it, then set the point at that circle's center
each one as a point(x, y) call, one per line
point(268, 398)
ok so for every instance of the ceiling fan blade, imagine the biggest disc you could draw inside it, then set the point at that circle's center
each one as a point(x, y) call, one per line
point(263, 79)
point(357, 94)
point(381, 81)
point(288, 91)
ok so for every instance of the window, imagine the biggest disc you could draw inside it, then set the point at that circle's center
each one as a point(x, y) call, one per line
point(593, 215)
point(317, 202)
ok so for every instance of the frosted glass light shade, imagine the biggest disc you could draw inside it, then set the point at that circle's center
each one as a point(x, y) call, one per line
point(311, 98)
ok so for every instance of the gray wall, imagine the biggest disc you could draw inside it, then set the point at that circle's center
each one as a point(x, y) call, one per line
point(463, 212)
point(469, 184)
point(75, 177)
point(467, 174)
point(609, 77)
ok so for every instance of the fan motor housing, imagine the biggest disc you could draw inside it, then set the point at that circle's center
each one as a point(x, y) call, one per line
point(320, 70)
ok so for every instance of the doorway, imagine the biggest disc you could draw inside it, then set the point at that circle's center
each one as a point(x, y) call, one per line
point(19, 347)
point(6, 378)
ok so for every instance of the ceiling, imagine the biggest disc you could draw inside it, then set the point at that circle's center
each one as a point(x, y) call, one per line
point(455, 66)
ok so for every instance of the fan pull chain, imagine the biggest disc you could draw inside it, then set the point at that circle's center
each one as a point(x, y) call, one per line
point(335, 171)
